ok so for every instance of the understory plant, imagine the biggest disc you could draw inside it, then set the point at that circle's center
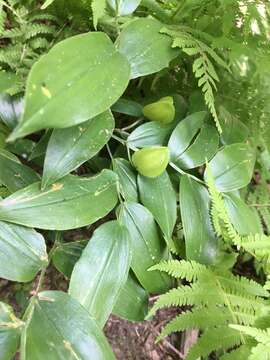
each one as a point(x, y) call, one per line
point(134, 160)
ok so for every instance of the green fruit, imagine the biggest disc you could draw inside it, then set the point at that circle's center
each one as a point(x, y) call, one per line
point(151, 161)
point(162, 111)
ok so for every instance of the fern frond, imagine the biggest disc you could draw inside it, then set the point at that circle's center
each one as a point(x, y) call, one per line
point(240, 353)
point(262, 336)
point(185, 295)
point(237, 283)
point(38, 29)
point(222, 338)
point(189, 270)
point(3, 17)
point(198, 318)
point(203, 67)
point(261, 352)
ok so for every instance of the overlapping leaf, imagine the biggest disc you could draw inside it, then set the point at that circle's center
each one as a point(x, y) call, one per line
point(67, 204)
point(69, 148)
point(146, 49)
point(146, 244)
point(78, 79)
point(102, 270)
point(58, 326)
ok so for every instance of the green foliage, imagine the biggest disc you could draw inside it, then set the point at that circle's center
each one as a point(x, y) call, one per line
point(27, 34)
point(142, 125)
point(203, 67)
point(218, 298)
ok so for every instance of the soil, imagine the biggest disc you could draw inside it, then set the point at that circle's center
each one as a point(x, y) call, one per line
point(130, 341)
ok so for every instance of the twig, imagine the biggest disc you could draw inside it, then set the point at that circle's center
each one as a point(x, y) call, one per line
point(182, 172)
point(169, 345)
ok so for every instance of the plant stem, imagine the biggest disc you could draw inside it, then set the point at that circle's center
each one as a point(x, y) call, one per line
point(57, 240)
point(122, 141)
point(157, 10)
point(182, 172)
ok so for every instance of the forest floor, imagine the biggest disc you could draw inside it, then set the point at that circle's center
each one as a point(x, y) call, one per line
point(129, 340)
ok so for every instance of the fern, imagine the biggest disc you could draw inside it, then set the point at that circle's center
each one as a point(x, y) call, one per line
point(258, 245)
point(262, 349)
point(29, 34)
point(189, 270)
point(218, 299)
point(260, 199)
point(203, 67)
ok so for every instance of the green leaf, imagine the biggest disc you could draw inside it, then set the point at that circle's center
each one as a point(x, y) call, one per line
point(60, 327)
point(159, 197)
point(149, 134)
point(65, 205)
point(7, 80)
point(98, 9)
point(147, 50)
point(193, 141)
point(71, 147)
point(22, 252)
point(232, 167)
point(21, 147)
point(102, 270)
point(11, 108)
point(132, 303)
point(66, 255)
point(203, 147)
point(201, 242)
point(127, 179)
point(147, 247)
point(128, 107)
point(40, 147)
point(233, 130)
point(10, 328)
point(93, 84)
point(245, 219)
point(13, 174)
point(124, 7)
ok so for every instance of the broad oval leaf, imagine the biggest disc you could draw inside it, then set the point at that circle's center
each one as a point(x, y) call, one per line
point(58, 326)
point(78, 79)
point(128, 107)
point(184, 134)
point(204, 147)
point(124, 7)
point(69, 148)
point(146, 49)
point(232, 167)
point(13, 174)
point(22, 252)
point(158, 195)
point(245, 219)
point(66, 255)
point(149, 134)
point(11, 108)
point(200, 240)
point(147, 246)
point(10, 329)
point(127, 179)
point(65, 205)
point(132, 302)
point(102, 270)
